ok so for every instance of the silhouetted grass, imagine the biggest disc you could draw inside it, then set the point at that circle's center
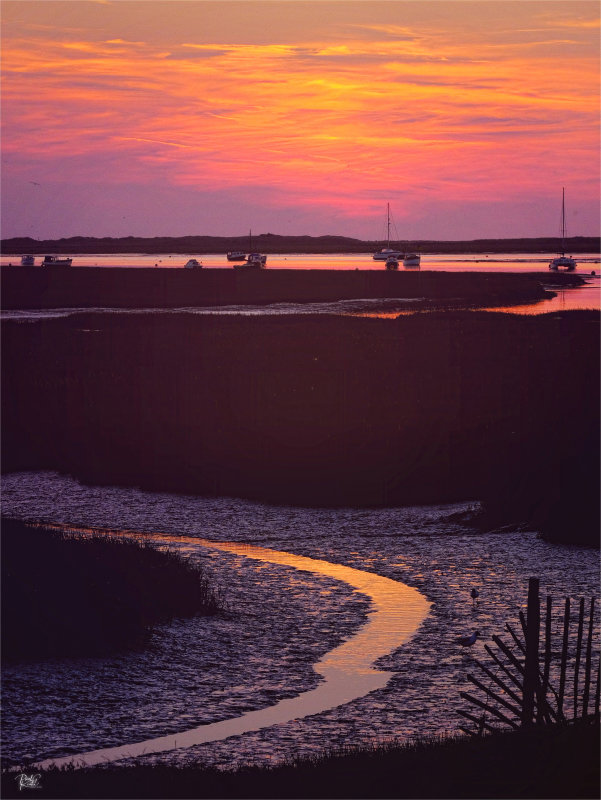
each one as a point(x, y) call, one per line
point(552, 762)
point(318, 411)
point(65, 595)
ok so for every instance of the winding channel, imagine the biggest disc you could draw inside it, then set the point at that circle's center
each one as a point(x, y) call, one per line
point(396, 614)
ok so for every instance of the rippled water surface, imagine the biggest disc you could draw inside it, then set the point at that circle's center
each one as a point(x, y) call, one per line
point(282, 622)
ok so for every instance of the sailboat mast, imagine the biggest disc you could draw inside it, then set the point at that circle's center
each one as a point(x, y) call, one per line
point(563, 219)
point(388, 225)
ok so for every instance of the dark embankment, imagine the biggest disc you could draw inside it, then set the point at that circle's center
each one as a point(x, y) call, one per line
point(34, 288)
point(65, 596)
point(551, 762)
point(318, 410)
point(272, 243)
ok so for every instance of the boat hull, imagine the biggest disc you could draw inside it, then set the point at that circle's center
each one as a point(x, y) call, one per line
point(52, 261)
point(384, 255)
point(563, 262)
point(411, 260)
point(255, 261)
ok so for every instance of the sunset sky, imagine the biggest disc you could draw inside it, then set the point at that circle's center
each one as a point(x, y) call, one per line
point(155, 118)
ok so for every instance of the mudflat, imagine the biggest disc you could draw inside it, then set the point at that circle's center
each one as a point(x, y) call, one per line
point(93, 287)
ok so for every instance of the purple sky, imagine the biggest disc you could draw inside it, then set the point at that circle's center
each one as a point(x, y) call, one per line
point(176, 118)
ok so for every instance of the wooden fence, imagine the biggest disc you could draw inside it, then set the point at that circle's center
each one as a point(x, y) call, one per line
point(528, 684)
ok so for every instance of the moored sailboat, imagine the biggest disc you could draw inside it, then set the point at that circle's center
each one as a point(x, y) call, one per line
point(562, 261)
point(387, 254)
point(253, 260)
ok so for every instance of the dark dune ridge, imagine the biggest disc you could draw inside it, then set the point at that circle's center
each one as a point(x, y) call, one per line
point(89, 287)
point(274, 243)
point(318, 410)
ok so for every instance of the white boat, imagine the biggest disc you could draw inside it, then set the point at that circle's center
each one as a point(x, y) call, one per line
point(56, 261)
point(562, 261)
point(192, 263)
point(27, 261)
point(411, 260)
point(256, 260)
point(236, 255)
point(253, 260)
point(387, 253)
point(392, 262)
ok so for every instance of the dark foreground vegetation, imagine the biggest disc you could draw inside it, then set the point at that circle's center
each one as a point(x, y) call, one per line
point(320, 410)
point(65, 595)
point(552, 762)
point(272, 243)
point(98, 287)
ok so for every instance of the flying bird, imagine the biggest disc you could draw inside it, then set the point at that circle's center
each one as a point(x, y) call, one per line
point(468, 641)
point(35, 183)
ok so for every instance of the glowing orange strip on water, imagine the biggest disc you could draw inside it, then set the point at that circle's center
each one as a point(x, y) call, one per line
point(397, 612)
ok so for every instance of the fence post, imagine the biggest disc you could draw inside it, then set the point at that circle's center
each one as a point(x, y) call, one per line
point(587, 668)
point(532, 640)
point(541, 701)
point(578, 655)
point(564, 658)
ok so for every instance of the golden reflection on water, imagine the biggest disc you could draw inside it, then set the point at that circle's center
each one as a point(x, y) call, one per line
point(396, 614)
point(579, 298)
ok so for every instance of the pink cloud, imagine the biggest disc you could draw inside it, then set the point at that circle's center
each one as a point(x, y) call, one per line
point(425, 117)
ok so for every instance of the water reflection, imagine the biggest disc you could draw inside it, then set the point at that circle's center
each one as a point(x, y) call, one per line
point(398, 611)
point(455, 262)
point(577, 298)
point(284, 621)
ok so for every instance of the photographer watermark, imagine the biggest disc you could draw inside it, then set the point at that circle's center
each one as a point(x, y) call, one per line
point(32, 781)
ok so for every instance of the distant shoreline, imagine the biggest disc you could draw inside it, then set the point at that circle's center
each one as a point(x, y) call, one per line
point(272, 243)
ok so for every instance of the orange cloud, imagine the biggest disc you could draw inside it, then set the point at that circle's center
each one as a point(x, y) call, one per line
point(387, 111)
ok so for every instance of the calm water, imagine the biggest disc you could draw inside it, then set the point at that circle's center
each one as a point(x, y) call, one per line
point(477, 262)
point(286, 617)
point(587, 297)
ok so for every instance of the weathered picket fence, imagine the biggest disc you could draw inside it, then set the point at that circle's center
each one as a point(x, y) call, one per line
point(533, 685)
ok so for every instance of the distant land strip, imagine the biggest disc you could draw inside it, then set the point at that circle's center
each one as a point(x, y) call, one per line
point(273, 243)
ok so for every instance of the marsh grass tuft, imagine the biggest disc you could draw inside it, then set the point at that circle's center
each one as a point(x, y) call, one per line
point(81, 595)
